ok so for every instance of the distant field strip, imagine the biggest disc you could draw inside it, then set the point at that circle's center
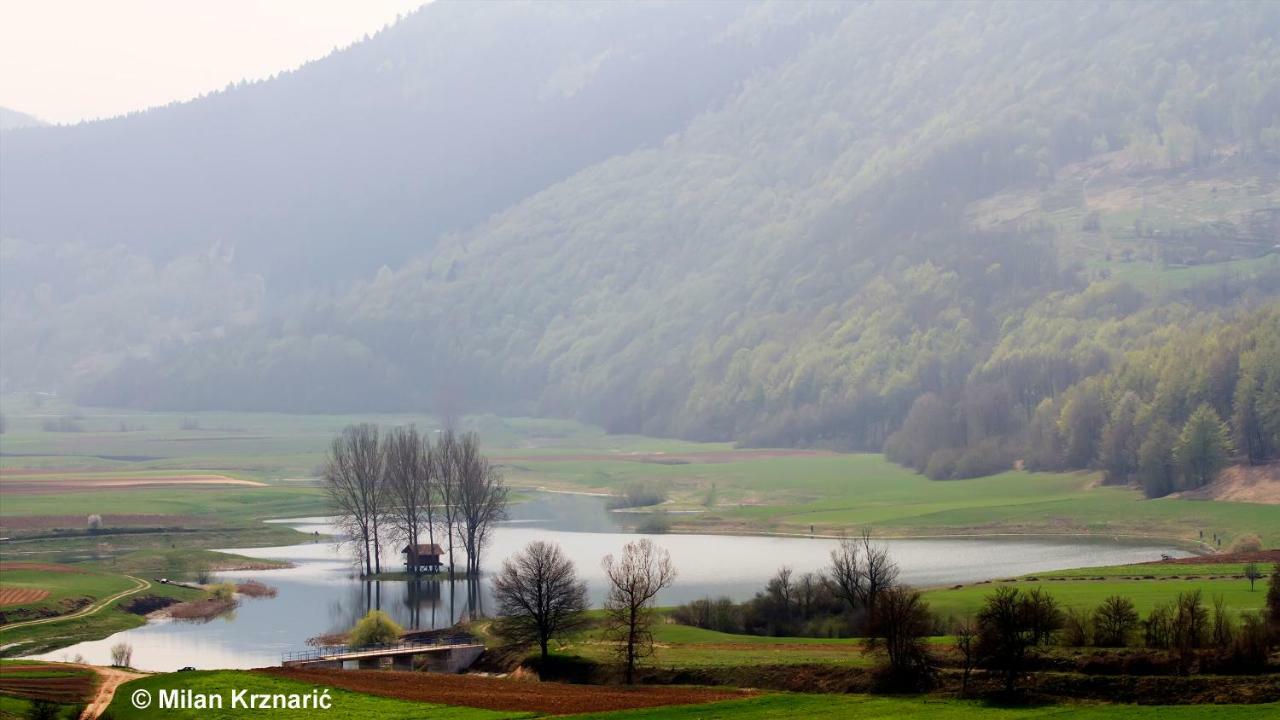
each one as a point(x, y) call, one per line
point(20, 596)
point(43, 481)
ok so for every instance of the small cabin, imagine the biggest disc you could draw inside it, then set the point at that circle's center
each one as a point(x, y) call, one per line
point(422, 558)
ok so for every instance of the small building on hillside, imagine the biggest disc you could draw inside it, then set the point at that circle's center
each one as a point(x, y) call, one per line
point(423, 557)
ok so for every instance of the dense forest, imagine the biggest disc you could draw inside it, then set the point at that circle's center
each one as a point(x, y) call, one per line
point(969, 234)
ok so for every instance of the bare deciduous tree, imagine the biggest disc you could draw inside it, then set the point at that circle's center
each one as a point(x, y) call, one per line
point(353, 480)
point(862, 571)
point(635, 580)
point(900, 625)
point(443, 460)
point(481, 497)
point(409, 483)
point(539, 596)
point(122, 655)
point(966, 634)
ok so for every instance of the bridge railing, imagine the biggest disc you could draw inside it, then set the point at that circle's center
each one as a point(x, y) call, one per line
point(329, 651)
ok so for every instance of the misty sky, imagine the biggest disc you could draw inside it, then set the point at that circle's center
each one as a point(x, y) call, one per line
point(70, 60)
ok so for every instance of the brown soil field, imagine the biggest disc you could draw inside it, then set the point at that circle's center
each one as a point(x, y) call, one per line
point(61, 684)
point(43, 567)
point(30, 484)
point(502, 694)
point(77, 522)
point(21, 596)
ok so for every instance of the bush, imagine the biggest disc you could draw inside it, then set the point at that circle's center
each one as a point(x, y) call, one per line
point(1247, 543)
point(720, 614)
point(640, 493)
point(95, 523)
point(1076, 627)
point(223, 591)
point(375, 628)
point(657, 523)
point(122, 655)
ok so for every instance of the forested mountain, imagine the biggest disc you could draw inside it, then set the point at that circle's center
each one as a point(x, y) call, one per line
point(962, 230)
point(364, 157)
point(12, 119)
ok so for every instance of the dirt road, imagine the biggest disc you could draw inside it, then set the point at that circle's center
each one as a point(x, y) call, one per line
point(139, 586)
point(109, 679)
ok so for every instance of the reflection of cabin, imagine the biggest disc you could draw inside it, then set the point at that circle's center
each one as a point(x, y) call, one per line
point(422, 558)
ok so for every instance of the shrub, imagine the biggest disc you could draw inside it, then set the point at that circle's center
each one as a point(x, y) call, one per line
point(95, 523)
point(223, 591)
point(1114, 621)
point(375, 628)
point(1076, 627)
point(657, 523)
point(719, 614)
point(122, 655)
point(640, 493)
point(1247, 543)
point(1249, 649)
point(1158, 627)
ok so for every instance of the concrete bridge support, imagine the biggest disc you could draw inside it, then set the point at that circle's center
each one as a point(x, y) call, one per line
point(453, 660)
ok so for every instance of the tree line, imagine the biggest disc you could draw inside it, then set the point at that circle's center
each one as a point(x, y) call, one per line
point(401, 485)
point(858, 595)
point(1168, 416)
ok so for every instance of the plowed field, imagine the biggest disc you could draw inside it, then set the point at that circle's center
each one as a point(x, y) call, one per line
point(502, 694)
point(21, 596)
point(47, 682)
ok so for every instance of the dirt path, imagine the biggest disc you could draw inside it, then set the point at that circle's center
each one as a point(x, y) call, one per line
point(109, 679)
point(139, 586)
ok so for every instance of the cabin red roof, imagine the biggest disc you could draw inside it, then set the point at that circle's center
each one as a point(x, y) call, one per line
point(424, 549)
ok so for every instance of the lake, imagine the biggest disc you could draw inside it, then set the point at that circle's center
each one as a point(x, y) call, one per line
point(322, 594)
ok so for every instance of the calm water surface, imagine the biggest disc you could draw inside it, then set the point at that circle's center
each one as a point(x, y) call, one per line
point(321, 593)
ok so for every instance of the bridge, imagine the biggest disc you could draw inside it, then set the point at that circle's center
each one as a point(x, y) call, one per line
point(450, 654)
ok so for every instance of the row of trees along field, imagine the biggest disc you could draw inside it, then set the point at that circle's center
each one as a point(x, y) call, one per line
point(1195, 394)
point(401, 485)
point(859, 595)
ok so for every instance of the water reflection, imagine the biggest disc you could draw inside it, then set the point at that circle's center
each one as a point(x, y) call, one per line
point(321, 594)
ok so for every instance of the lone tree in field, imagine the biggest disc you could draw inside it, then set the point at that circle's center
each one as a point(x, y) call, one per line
point(354, 483)
point(539, 596)
point(635, 580)
point(861, 571)
point(1253, 573)
point(410, 484)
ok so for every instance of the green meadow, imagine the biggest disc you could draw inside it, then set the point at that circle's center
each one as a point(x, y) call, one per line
point(346, 705)
point(865, 707)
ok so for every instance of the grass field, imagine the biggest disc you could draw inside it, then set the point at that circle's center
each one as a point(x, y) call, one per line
point(863, 707)
point(753, 491)
point(93, 585)
point(347, 705)
point(766, 706)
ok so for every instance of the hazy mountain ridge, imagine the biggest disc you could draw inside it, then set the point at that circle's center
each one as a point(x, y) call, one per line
point(362, 158)
point(893, 210)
